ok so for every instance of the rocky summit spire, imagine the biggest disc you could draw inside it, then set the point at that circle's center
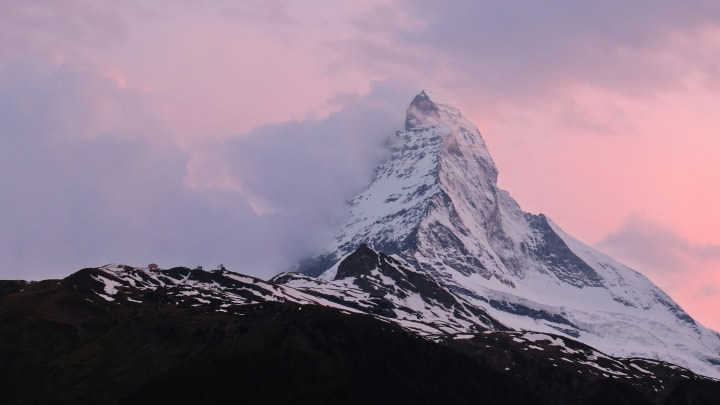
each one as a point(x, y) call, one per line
point(440, 162)
point(436, 206)
point(422, 111)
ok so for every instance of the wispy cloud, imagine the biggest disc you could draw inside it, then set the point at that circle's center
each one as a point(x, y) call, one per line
point(660, 248)
point(529, 48)
point(688, 270)
point(88, 178)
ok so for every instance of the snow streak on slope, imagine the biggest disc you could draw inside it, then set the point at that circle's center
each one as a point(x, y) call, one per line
point(404, 295)
point(384, 287)
point(435, 205)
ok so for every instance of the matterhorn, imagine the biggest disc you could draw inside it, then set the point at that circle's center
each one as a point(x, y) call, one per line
point(434, 209)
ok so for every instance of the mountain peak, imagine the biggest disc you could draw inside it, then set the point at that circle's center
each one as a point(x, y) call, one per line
point(435, 205)
point(427, 110)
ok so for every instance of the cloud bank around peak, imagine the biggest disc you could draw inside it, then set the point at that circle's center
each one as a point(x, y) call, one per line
point(81, 192)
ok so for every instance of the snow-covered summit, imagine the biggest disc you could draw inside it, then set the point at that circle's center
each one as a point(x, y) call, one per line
point(427, 110)
point(436, 206)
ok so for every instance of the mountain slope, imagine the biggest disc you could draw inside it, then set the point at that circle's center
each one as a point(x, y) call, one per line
point(435, 205)
point(407, 297)
point(62, 342)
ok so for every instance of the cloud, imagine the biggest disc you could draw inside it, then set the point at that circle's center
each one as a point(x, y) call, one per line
point(710, 291)
point(33, 26)
point(528, 49)
point(686, 269)
point(90, 175)
point(84, 181)
point(95, 169)
point(659, 248)
point(301, 172)
point(59, 100)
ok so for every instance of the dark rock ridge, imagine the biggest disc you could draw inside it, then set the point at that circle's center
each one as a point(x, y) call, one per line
point(118, 334)
point(422, 109)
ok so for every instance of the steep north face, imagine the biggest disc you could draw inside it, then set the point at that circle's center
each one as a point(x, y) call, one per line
point(435, 206)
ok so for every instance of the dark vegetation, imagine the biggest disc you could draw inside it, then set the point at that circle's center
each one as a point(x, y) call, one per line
point(59, 347)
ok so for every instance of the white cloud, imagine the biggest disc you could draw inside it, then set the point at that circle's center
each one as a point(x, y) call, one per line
point(82, 191)
point(659, 249)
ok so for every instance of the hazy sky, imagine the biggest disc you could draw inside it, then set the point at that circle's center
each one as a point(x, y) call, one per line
point(199, 133)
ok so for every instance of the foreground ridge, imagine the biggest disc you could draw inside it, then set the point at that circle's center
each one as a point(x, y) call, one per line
point(144, 335)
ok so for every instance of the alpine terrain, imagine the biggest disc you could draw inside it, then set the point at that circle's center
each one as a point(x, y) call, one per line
point(438, 289)
point(380, 333)
point(435, 208)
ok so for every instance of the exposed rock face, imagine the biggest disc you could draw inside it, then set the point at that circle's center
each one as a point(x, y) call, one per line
point(435, 206)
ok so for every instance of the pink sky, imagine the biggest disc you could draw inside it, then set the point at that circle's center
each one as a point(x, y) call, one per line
point(603, 117)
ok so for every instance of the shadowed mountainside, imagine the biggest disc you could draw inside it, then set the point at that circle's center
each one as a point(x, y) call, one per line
point(78, 341)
